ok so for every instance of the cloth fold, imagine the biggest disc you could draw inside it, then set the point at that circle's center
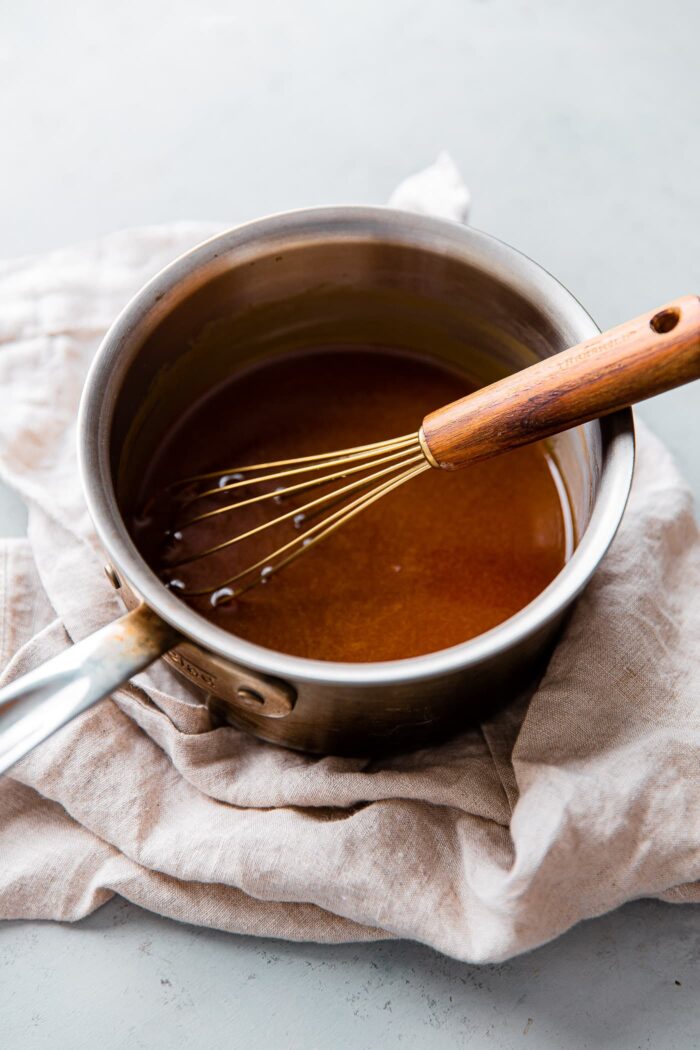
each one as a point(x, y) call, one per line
point(494, 842)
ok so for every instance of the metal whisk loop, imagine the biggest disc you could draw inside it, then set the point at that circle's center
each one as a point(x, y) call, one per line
point(321, 460)
point(287, 491)
point(398, 461)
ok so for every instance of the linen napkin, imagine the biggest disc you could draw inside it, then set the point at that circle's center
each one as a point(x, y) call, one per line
point(486, 846)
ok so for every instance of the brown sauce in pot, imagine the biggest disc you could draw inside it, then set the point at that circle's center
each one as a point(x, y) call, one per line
point(441, 559)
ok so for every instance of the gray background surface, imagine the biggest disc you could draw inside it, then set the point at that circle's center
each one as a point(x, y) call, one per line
point(575, 125)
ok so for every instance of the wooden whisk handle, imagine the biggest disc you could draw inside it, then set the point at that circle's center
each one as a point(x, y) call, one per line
point(636, 360)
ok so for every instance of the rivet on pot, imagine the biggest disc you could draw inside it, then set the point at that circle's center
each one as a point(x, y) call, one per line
point(269, 698)
point(275, 705)
point(250, 697)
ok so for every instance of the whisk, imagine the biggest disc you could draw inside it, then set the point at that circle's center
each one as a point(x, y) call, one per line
point(634, 361)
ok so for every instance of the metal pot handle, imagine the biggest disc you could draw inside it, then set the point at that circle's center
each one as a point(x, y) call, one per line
point(37, 704)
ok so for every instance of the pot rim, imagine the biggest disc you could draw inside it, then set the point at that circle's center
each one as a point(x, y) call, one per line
point(352, 223)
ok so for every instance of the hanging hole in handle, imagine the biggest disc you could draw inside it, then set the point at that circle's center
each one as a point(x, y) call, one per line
point(665, 320)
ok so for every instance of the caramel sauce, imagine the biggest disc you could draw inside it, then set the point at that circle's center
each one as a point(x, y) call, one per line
point(441, 559)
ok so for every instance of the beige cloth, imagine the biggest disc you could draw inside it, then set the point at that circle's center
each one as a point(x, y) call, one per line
point(483, 847)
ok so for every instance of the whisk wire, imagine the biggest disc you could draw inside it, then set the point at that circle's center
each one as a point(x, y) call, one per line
point(399, 460)
point(288, 491)
point(358, 452)
point(310, 537)
point(294, 513)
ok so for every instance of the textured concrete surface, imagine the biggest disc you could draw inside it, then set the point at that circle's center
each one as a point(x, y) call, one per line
point(576, 128)
point(126, 978)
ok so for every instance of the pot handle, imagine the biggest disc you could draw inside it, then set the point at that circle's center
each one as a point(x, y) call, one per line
point(40, 702)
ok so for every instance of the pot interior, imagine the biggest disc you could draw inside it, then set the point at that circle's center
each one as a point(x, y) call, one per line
point(247, 305)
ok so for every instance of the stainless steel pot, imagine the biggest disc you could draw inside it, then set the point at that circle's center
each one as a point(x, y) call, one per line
point(323, 275)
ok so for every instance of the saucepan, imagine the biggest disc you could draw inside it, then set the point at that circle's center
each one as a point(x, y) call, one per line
point(324, 275)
